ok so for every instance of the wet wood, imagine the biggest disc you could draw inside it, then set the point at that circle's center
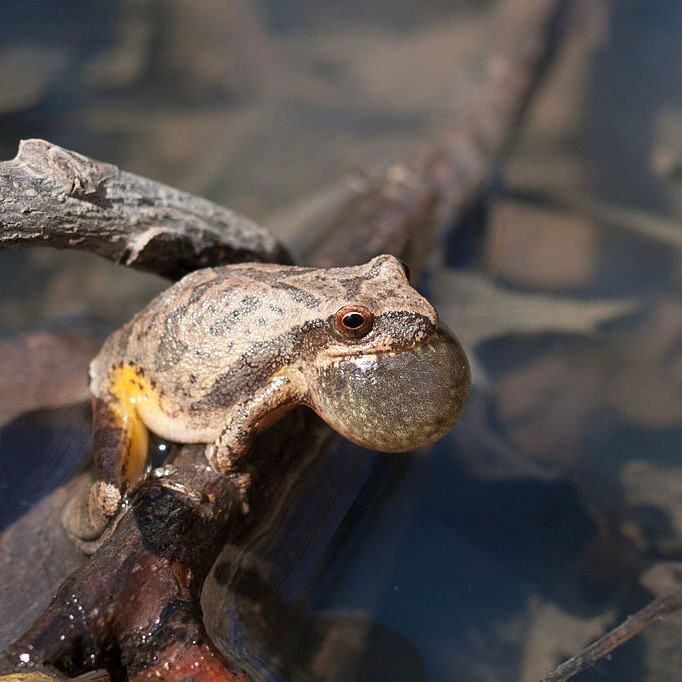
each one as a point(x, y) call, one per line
point(629, 628)
point(133, 607)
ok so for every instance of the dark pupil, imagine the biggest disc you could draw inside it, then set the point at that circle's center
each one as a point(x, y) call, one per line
point(353, 320)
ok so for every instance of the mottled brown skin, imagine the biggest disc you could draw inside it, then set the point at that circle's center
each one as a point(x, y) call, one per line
point(227, 350)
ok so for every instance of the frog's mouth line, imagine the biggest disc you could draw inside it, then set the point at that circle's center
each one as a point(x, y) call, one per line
point(386, 350)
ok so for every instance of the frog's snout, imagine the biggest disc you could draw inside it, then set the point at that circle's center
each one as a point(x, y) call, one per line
point(395, 402)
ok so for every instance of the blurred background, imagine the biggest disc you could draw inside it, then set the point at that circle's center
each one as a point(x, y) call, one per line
point(526, 532)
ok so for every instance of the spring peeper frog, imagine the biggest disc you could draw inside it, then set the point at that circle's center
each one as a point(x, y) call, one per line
point(226, 350)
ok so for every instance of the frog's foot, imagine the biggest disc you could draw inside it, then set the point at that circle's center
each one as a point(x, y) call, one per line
point(223, 458)
point(120, 442)
point(226, 453)
point(88, 515)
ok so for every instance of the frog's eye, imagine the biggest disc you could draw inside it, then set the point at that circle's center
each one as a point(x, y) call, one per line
point(353, 321)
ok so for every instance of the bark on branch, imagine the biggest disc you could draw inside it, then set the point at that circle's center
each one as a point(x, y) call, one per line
point(55, 197)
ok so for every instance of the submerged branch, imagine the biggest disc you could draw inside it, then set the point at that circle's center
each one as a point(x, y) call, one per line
point(624, 632)
point(416, 201)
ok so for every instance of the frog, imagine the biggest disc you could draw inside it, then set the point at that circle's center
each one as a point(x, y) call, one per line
point(227, 350)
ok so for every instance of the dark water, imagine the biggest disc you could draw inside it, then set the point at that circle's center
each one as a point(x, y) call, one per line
point(523, 535)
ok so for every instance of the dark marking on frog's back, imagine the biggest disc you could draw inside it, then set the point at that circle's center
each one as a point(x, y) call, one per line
point(201, 289)
point(299, 295)
point(277, 279)
point(254, 369)
point(248, 304)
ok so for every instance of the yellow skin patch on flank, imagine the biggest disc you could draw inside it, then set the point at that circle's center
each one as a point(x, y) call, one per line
point(132, 392)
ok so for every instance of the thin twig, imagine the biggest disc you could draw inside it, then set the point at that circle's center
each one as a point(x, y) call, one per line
point(632, 626)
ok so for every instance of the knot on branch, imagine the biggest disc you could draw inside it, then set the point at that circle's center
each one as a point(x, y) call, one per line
point(76, 175)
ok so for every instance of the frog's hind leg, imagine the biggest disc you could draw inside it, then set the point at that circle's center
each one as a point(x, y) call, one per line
point(120, 445)
point(120, 439)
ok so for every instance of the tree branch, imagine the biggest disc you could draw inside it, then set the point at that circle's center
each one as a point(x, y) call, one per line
point(624, 632)
point(55, 197)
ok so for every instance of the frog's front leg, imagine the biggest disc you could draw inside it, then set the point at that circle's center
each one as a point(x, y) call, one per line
point(120, 447)
point(250, 416)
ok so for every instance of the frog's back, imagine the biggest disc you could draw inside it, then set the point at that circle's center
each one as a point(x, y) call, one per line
point(215, 327)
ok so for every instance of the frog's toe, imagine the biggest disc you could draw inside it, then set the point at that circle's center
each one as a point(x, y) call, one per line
point(87, 515)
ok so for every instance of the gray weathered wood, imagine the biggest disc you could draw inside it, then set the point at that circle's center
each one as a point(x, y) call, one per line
point(55, 197)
